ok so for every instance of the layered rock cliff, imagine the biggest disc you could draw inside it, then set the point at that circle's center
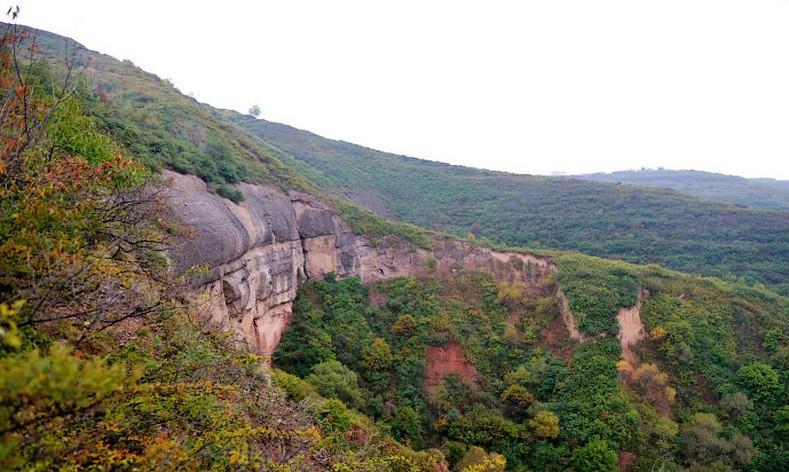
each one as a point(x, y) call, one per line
point(258, 252)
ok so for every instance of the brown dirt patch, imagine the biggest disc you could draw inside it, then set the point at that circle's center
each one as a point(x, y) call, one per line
point(376, 297)
point(442, 361)
point(631, 331)
point(555, 338)
point(704, 388)
point(626, 460)
point(567, 316)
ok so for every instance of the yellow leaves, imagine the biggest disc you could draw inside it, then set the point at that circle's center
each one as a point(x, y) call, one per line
point(477, 460)
point(378, 355)
point(665, 428)
point(405, 325)
point(654, 385)
point(410, 283)
point(112, 426)
point(159, 451)
point(441, 423)
point(493, 463)
point(509, 294)
point(545, 425)
point(658, 333)
point(240, 455)
point(670, 394)
point(623, 366)
point(474, 313)
point(107, 456)
point(650, 373)
point(39, 390)
point(249, 359)
point(9, 332)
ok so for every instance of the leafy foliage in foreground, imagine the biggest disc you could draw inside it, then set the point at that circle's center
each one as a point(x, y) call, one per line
point(102, 367)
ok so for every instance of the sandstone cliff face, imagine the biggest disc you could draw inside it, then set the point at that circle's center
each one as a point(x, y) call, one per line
point(258, 252)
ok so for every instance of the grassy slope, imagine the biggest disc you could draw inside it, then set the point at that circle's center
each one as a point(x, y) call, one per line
point(637, 224)
point(162, 127)
point(711, 328)
point(756, 193)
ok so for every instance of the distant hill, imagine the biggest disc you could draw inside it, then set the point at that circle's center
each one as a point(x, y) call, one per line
point(756, 193)
point(635, 223)
point(779, 184)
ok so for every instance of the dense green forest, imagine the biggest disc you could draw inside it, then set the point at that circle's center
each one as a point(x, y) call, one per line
point(105, 364)
point(707, 395)
point(637, 224)
point(757, 193)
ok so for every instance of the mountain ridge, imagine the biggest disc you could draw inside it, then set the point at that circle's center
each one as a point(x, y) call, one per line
point(637, 224)
point(757, 193)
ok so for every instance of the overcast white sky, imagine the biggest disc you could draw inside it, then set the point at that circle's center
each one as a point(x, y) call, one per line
point(521, 86)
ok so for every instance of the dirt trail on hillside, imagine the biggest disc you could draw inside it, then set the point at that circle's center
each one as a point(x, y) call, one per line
point(631, 330)
point(567, 316)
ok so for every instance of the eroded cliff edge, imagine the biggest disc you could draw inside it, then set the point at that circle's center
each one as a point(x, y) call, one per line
point(258, 252)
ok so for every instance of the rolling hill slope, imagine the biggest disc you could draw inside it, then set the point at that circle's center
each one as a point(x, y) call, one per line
point(145, 345)
point(164, 128)
point(637, 224)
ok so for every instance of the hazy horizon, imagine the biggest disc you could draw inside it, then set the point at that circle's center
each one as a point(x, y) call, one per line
point(566, 87)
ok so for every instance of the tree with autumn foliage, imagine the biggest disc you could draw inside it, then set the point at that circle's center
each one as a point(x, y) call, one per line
point(102, 367)
point(79, 240)
point(79, 245)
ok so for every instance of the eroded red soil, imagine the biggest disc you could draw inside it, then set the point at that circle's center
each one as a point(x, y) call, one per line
point(442, 361)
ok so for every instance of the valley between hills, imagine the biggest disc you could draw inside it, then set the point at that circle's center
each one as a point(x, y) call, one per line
point(189, 288)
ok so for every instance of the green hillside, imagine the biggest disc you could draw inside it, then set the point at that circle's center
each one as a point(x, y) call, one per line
point(106, 365)
point(774, 183)
point(538, 398)
point(756, 193)
point(151, 119)
point(162, 127)
point(637, 224)
point(104, 362)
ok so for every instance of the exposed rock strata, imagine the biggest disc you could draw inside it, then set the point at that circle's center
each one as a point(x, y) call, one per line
point(257, 253)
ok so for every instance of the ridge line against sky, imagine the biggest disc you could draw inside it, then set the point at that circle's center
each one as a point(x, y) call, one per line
point(526, 87)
